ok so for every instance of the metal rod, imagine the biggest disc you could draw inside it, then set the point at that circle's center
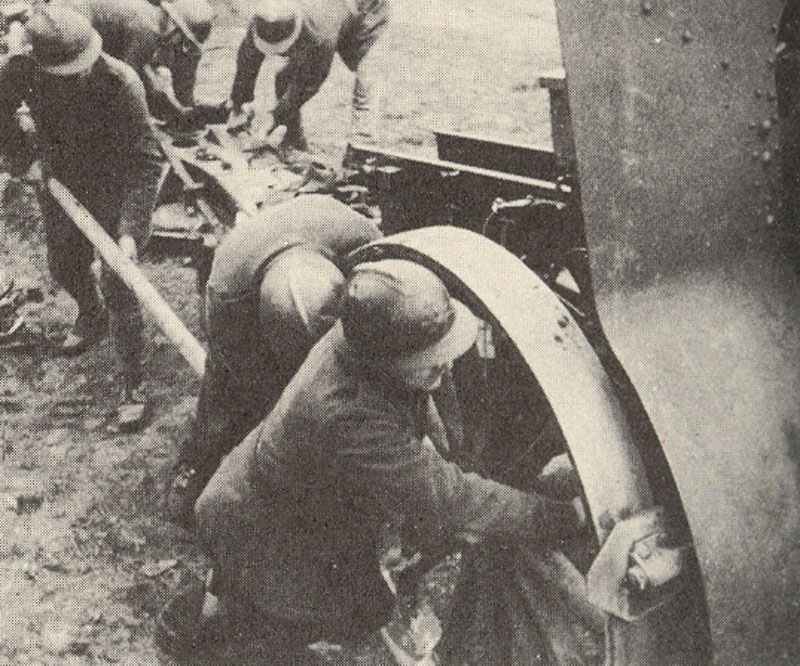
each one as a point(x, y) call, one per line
point(131, 275)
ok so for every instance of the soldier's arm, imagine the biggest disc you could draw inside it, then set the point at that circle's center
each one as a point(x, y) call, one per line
point(248, 64)
point(309, 67)
point(403, 473)
point(12, 136)
point(143, 161)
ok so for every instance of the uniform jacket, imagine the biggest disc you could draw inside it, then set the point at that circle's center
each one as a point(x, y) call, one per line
point(315, 221)
point(244, 376)
point(293, 514)
point(131, 32)
point(349, 27)
point(94, 133)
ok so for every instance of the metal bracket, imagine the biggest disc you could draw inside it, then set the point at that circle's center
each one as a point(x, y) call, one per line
point(636, 571)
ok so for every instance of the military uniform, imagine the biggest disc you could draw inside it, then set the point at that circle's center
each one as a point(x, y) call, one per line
point(96, 139)
point(131, 32)
point(347, 27)
point(244, 375)
point(294, 514)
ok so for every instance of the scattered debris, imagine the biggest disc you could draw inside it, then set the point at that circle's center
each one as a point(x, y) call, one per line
point(54, 565)
point(29, 503)
point(155, 569)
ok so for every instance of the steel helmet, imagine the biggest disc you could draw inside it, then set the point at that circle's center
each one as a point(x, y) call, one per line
point(62, 41)
point(399, 311)
point(298, 299)
point(276, 25)
point(192, 17)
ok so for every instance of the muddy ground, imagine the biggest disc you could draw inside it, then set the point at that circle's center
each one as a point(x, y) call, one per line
point(83, 573)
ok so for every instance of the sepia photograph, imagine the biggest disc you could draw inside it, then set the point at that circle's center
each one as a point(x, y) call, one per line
point(389, 332)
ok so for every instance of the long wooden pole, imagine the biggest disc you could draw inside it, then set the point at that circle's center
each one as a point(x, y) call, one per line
point(130, 274)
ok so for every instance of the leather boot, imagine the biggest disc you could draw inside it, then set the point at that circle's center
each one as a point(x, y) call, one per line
point(90, 327)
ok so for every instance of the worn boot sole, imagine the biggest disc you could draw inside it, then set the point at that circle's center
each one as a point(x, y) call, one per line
point(76, 344)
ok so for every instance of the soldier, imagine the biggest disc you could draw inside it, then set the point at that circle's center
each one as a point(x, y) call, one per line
point(271, 295)
point(308, 33)
point(94, 131)
point(153, 38)
point(293, 515)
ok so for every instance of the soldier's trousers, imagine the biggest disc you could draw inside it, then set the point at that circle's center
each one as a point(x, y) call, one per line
point(70, 256)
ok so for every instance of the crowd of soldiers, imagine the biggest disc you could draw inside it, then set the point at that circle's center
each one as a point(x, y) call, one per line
point(323, 411)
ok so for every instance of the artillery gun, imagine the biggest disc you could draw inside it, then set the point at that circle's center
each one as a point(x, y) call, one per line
point(671, 362)
point(645, 312)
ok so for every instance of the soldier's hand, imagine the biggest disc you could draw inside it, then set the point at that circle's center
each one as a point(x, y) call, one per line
point(11, 189)
point(240, 118)
point(128, 247)
point(580, 513)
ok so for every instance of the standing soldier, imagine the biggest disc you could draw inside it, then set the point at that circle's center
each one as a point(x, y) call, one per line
point(93, 128)
point(272, 293)
point(307, 34)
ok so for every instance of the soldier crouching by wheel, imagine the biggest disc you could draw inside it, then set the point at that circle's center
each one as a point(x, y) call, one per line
point(293, 515)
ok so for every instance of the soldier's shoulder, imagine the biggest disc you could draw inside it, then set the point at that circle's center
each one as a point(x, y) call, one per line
point(17, 65)
point(122, 74)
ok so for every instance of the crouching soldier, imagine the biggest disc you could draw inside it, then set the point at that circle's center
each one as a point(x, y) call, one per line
point(293, 515)
point(272, 293)
point(308, 34)
point(92, 124)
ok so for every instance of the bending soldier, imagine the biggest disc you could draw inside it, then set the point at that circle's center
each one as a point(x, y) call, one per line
point(272, 293)
point(149, 37)
point(308, 33)
point(93, 128)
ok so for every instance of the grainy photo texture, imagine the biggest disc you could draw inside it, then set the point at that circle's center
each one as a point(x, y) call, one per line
point(396, 332)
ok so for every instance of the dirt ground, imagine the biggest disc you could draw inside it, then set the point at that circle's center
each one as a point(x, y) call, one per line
point(83, 573)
